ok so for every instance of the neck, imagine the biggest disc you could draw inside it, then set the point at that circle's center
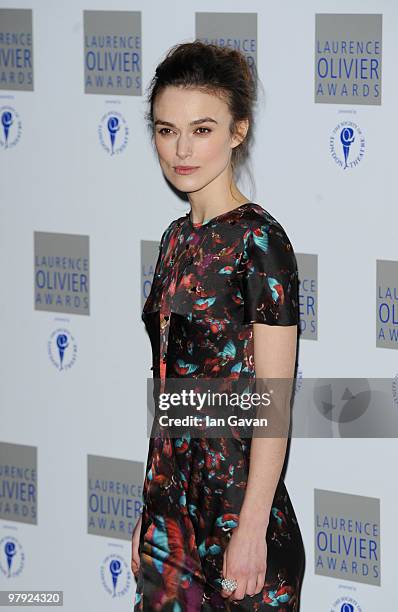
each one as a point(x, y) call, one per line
point(216, 198)
point(200, 215)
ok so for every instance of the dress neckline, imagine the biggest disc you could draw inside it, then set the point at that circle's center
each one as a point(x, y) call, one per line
point(217, 217)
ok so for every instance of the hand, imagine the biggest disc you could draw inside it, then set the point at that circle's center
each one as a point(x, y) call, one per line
point(245, 560)
point(135, 558)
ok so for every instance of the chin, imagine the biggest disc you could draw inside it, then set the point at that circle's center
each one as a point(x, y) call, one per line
point(184, 183)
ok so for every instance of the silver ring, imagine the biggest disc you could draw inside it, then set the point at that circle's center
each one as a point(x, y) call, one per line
point(229, 584)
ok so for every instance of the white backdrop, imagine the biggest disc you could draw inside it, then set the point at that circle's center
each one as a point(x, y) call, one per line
point(58, 179)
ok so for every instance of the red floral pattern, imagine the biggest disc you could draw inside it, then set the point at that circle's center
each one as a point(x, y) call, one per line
point(211, 283)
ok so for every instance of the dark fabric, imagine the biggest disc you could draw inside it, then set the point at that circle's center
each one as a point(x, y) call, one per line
point(269, 278)
point(210, 284)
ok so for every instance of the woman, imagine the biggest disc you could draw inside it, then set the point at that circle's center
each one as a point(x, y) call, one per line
point(218, 530)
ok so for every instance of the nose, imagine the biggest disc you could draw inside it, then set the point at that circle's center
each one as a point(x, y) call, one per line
point(184, 148)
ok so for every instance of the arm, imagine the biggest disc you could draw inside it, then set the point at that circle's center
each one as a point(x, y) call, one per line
point(274, 357)
point(246, 556)
point(269, 282)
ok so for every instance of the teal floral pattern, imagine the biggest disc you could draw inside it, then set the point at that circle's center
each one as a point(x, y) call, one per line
point(211, 283)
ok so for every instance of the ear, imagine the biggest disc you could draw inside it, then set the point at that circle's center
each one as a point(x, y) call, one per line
point(241, 129)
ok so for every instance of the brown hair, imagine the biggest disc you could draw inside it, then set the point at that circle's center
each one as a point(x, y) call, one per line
point(220, 71)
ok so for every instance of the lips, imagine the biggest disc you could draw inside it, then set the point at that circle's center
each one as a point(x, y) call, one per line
point(185, 169)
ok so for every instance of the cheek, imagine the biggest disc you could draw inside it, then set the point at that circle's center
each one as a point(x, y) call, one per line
point(163, 149)
point(214, 149)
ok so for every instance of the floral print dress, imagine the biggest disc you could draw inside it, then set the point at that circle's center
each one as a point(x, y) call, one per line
point(212, 281)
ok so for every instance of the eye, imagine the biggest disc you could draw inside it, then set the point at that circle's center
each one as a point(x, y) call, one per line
point(162, 132)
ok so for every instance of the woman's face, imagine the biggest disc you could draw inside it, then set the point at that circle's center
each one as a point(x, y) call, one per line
point(192, 130)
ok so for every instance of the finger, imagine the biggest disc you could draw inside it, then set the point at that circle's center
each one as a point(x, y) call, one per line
point(260, 582)
point(240, 591)
point(135, 553)
point(251, 585)
point(225, 593)
point(135, 549)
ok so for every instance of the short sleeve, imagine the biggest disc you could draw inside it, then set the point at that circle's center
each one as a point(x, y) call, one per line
point(269, 277)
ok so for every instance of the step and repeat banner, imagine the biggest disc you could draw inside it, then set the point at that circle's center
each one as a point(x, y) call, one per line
point(83, 205)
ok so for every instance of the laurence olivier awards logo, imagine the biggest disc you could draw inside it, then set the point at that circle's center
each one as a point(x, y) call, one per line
point(114, 505)
point(308, 295)
point(16, 49)
point(12, 557)
point(149, 255)
point(61, 273)
point(10, 128)
point(114, 496)
point(62, 349)
point(18, 483)
point(234, 30)
point(347, 536)
point(348, 58)
point(115, 575)
point(347, 145)
point(113, 132)
point(112, 52)
point(345, 604)
point(387, 304)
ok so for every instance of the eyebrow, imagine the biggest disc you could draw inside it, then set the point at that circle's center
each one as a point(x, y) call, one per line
point(196, 122)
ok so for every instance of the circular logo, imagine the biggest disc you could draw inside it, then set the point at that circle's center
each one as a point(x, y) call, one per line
point(347, 145)
point(395, 389)
point(345, 604)
point(113, 132)
point(10, 128)
point(298, 382)
point(62, 349)
point(12, 557)
point(115, 575)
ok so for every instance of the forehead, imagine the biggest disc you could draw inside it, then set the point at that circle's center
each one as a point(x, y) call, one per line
point(181, 105)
